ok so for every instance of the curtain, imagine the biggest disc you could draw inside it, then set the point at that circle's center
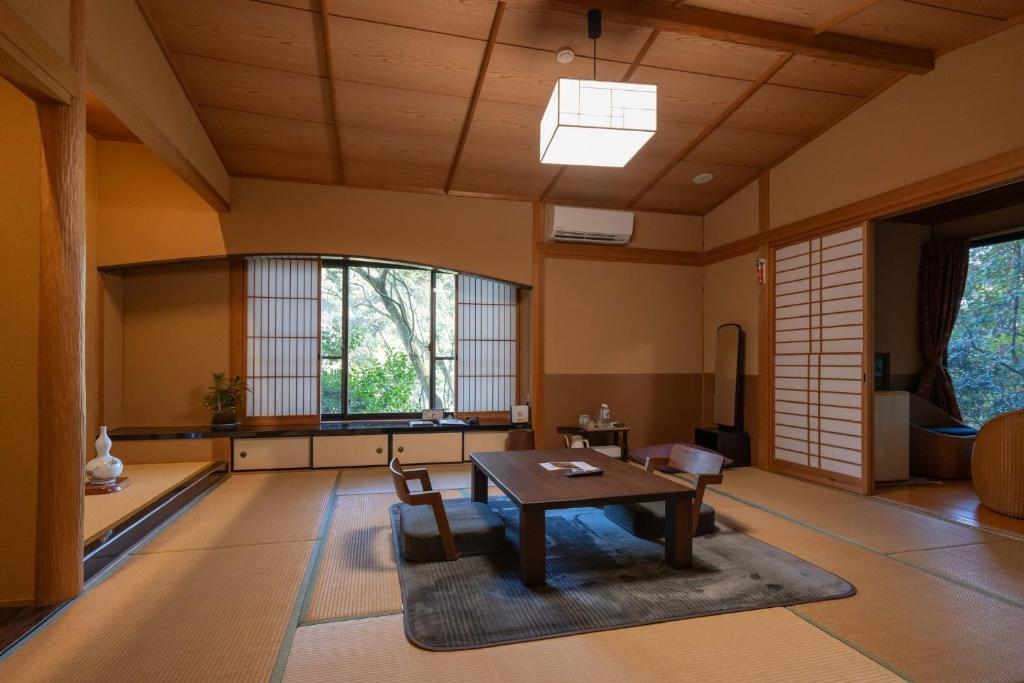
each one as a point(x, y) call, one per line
point(941, 283)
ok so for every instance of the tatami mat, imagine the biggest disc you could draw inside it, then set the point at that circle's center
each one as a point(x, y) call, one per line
point(860, 519)
point(357, 576)
point(249, 509)
point(378, 479)
point(766, 645)
point(207, 615)
point(930, 628)
point(995, 567)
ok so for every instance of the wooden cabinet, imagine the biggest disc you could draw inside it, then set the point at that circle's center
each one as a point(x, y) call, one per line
point(270, 453)
point(483, 442)
point(350, 451)
point(892, 436)
point(423, 448)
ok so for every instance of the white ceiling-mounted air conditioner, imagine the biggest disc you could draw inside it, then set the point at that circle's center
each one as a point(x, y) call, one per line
point(593, 226)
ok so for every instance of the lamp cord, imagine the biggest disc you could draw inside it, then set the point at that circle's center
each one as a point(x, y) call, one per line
point(595, 59)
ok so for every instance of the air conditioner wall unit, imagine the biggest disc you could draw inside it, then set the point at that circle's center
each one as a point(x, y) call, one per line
point(591, 226)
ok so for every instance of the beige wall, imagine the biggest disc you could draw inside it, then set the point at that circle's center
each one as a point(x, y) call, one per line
point(967, 109)
point(897, 261)
point(19, 283)
point(731, 295)
point(735, 218)
point(175, 334)
point(667, 231)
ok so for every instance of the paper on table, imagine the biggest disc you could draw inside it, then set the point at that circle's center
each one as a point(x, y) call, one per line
point(574, 465)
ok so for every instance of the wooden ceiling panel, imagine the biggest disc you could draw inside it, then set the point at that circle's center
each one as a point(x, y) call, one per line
point(704, 56)
point(680, 199)
point(501, 153)
point(837, 77)
point(241, 31)
point(690, 98)
point(381, 159)
point(467, 18)
point(255, 131)
point(789, 111)
point(245, 161)
point(241, 87)
point(524, 76)
point(997, 9)
point(799, 12)
point(677, 191)
point(530, 24)
point(404, 112)
point(404, 58)
point(913, 24)
point(744, 147)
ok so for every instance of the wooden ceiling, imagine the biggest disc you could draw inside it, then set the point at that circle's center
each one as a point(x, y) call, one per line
point(447, 95)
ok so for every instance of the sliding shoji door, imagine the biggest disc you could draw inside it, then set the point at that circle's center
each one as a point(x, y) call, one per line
point(487, 347)
point(820, 426)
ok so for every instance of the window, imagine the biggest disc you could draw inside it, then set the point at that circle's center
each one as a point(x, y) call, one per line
point(487, 345)
point(387, 339)
point(986, 350)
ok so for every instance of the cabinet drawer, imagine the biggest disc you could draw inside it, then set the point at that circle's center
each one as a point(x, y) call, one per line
point(271, 454)
point(484, 442)
point(350, 451)
point(420, 448)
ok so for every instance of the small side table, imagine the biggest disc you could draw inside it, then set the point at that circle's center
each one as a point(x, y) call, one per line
point(732, 444)
point(618, 436)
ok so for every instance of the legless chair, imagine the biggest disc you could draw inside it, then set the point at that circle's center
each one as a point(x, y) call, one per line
point(998, 464)
point(434, 529)
point(647, 520)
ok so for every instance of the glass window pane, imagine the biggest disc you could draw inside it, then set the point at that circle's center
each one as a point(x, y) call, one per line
point(445, 385)
point(444, 297)
point(330, 387)
point(332, 293)
point(389, 340)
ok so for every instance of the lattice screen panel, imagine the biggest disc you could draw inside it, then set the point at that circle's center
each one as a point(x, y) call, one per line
point(283, 334)
point(486, 345)
point(819, 361)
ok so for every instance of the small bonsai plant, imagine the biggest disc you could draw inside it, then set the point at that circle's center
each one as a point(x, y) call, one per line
point(223, 398)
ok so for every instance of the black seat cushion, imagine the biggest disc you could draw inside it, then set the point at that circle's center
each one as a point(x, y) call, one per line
point(477, 530)
point(647, 520)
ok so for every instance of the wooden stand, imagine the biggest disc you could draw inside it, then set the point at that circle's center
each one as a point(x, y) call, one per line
point(92, 489)
point(734, 445)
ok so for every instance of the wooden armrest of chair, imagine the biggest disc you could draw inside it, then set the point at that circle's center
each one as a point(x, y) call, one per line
point(436, 501)
point(421, 474)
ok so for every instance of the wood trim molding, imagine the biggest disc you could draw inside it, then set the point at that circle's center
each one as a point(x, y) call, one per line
point(641, 54)
point(59, 569)
point(840, 481)
point(537, 329)
point(595, 252)
point(325, 25)
point(485, 62)
point(867, 449)
point(839, 17)
point(711, 127)
point(765, 341)
point(29, 62)
point(734, 28)
point(123, 107)
point(237, 326)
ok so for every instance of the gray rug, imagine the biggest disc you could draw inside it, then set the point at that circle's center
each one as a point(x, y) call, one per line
point(598, 578)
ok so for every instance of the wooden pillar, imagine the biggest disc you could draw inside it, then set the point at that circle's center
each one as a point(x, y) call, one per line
point(61, 337)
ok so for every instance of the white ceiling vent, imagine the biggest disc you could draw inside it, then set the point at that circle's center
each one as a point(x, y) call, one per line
point(592, 226)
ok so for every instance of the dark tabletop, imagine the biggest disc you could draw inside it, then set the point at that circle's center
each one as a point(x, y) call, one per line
point(520, 475)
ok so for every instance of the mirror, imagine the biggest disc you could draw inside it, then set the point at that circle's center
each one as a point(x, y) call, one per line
point(728, 356)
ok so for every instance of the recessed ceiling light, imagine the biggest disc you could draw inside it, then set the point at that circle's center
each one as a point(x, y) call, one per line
point(702, 178)
point(565, 55)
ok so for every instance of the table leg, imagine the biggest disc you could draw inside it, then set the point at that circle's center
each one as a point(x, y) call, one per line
point(625, 446)
point(532, 546)
point(678, 533)
point(479, 486)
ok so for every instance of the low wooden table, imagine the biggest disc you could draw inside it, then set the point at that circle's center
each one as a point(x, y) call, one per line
point(534, 490)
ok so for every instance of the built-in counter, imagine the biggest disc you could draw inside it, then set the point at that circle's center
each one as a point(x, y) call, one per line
point(326, 445)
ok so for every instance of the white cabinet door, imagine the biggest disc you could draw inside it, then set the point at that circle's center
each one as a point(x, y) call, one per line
point(350, 451)
point(484, 442)
point(271, 454)
point(421, 448)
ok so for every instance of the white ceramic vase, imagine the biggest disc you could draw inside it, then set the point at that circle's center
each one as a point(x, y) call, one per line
point(104, 469)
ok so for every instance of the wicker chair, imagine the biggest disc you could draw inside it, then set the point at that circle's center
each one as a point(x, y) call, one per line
point(940, 445)
point(998, 464)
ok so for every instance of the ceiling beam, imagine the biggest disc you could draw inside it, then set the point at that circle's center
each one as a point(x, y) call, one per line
point(325, 23)
point(29, 62)
point(485, 62)
point(841, 16)
point(735, 28)
point(710, 128)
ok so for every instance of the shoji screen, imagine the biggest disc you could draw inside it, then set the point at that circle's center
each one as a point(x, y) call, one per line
point(283, 333)
point(819, 355)
point(486, 345)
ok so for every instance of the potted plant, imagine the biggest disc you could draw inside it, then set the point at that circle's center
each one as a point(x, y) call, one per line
point(223, 398)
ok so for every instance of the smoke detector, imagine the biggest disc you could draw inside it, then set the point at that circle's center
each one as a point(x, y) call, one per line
point(565, 55)
point(702, 178)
